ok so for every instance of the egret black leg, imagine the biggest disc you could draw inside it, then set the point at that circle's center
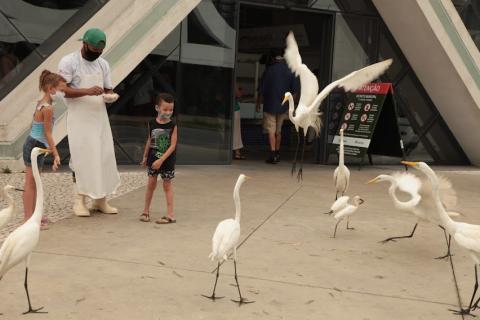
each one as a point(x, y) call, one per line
point(401, 237)
point(348, 228)
point(30, 309)
point(470, 307)
point(335, 231)
point(448, 240)
point(242, 299)
point(294, 164)
point(300, 171)
point(213, 297)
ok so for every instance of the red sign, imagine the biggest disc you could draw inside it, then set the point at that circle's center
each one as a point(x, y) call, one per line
point(375, 88)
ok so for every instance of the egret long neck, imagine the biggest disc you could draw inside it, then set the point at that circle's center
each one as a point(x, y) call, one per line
point(404, 205)
point(341, 156)
point(447, 222)
point(291, 106)
point(236, 199)
point(37, 214)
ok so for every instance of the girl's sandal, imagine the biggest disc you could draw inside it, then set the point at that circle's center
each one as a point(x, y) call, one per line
point(145, 217)
point(165, 220)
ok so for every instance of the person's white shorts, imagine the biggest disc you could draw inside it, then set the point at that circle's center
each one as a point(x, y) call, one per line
point(272, 123)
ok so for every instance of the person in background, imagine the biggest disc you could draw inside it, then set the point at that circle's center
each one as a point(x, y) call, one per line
point(237, 126)
point(276, 80)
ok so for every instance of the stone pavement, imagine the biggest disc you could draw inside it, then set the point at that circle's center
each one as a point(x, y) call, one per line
point(115, 267)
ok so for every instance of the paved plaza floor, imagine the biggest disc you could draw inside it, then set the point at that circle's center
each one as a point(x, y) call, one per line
point(116, 267)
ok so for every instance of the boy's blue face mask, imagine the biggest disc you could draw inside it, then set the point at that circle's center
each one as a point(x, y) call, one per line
point(165, 115)
point(162, 115)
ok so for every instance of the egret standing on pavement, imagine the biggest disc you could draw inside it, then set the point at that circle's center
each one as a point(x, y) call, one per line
point(341, 175)
point(22, 241)
point(226, 238)
point(466, 235)
point(421, 202)
point(341, 209)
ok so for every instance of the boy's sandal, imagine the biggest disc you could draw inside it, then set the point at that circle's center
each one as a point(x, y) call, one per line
point(165, 220)
point(145, 217)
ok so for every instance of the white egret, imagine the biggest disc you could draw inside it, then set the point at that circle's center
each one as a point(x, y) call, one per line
point(341, 175)
point(225, 240)
point(341, 209)
point(466, 235)
point(421, 202)
point(7, 214)
point(307, 114)
point(22, 241)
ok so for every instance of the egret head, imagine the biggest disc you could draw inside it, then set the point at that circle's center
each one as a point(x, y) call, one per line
point(37, 151)
point(243, 178)
point(380, 178)
point(422, 166)
point(357, 200)
point(286, 97)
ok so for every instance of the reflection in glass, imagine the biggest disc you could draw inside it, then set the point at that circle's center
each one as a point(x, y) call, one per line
point(32, 30)
point(205, 113)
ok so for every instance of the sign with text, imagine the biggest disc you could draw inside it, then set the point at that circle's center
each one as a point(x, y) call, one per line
point(369, 122)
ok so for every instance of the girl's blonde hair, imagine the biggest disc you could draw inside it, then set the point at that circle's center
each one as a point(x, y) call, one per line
point(50, 78)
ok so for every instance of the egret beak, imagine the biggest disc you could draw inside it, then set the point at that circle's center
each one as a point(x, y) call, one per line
point(42, 150)
point(410, 163)
point(284, 100)
point(18, 189)
point(374, 180)
point(248, 178)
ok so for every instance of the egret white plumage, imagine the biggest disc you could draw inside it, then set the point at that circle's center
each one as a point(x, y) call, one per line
point(341, 175)
point(22, 241)
point(466, 235)
point(341, 209)
point(7, 214)
point(421, 202)
point(225, 240)
point(307, 114)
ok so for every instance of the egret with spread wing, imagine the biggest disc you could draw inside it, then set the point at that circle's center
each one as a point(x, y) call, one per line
point(466, 235)
point(420, 202)
point(307, 112)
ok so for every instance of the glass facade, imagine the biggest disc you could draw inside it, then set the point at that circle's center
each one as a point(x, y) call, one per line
point(196, 65)
point(469, 11)
point(223, 43)
point(31, 30)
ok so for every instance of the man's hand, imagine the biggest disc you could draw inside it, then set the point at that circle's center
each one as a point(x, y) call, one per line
point(94, 91)
point(157, 164)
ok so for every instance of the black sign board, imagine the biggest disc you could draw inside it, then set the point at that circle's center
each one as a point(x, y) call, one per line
point(369, 121)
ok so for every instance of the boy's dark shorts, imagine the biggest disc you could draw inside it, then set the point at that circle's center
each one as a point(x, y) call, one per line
point(28, 146)
point(166, 171)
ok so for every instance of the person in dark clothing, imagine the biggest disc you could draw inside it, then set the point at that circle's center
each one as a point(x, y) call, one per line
point(276, 80)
